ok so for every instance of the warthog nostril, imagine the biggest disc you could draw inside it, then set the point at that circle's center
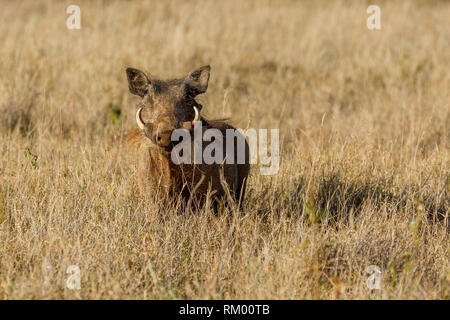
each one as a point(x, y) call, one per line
point(163, 139)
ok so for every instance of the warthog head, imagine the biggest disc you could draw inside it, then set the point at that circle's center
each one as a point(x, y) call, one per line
point(167, 105)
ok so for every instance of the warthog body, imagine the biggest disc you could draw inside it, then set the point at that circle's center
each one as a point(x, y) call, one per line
point(168, 105)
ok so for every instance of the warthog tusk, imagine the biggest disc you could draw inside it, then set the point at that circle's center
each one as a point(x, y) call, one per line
point(138, 120)
point(196, 116)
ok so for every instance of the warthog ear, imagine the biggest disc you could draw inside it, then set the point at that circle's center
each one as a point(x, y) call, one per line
point(197, 80)
point(138, 82)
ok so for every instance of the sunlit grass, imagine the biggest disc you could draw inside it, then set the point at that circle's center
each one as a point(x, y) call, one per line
point(364, 128)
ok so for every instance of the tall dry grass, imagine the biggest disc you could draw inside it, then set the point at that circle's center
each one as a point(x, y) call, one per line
point(364, 127)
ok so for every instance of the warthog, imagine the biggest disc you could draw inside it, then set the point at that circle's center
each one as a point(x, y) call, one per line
point(168, 105)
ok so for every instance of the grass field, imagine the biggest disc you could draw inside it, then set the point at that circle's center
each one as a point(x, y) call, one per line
point(364, 129)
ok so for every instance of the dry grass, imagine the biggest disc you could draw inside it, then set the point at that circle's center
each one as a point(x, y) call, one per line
point(364, 176)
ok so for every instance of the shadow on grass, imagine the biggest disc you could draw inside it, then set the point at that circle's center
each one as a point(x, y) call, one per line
point(336, 200)
point(339, 199)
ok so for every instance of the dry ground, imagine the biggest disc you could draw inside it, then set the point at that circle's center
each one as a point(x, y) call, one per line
point(364, 124)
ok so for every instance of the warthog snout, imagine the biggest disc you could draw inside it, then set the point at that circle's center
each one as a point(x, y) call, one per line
point(160, 131)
